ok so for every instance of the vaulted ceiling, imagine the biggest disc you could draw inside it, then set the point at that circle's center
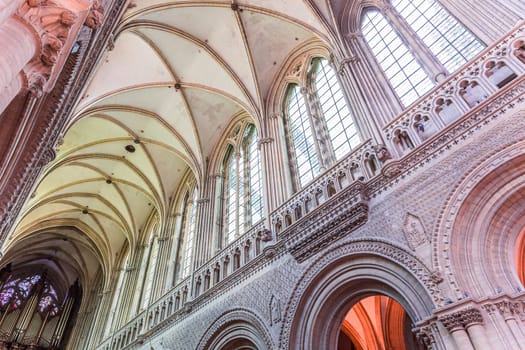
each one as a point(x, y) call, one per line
point(175, 75)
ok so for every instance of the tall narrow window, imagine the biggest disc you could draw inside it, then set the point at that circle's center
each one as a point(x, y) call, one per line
point(253, 176)
point(451, 43)
point(308, 166)
point(320, 124)
point(339, 120)
point(407, 77)
point(152, 264)
point(232, 197)
point(243, 202)
point(189, 234)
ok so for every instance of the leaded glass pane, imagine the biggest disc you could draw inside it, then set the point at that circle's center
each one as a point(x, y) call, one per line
point(447, 39)
point(339, 120)
point(231, 197)
point(255, 178)
point(406, 75)
point(303, 141)
point(189, 236)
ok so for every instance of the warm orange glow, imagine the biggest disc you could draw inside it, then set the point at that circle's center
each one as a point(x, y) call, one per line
point(519, 256)
point(375, 323)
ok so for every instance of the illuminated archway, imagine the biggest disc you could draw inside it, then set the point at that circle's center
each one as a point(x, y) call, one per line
point(344, 276)
point(377, 322)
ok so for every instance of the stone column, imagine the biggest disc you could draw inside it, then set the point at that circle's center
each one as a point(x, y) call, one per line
point(18, 41)
point(454, 324)
point(473, 321)
point(509, 310)
point(8, 8)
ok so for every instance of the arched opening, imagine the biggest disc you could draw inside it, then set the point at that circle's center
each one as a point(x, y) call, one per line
point(519, 256)
point(342, 279)
point(236, 330)
point(377, 322)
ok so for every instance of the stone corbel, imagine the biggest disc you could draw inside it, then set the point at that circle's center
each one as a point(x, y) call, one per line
point(425, 336)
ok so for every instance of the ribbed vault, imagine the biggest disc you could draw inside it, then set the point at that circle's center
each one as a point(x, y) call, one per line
point(172, 79)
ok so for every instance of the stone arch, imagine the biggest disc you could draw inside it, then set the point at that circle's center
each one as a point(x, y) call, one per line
point(342, 276)
point(482, 222)
point(236, 329)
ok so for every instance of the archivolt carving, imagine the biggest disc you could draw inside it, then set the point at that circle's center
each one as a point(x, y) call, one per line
point(229, 320)
point(442, 236)
point(370, 247)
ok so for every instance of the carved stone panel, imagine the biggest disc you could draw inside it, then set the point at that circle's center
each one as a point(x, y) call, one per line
point(414, 231)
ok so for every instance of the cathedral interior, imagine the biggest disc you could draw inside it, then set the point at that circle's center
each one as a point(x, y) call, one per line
point(262, 174)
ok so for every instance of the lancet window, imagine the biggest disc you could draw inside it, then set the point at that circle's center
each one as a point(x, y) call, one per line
point(242, 191)
point(320, 125)
point(414, 51)
point(189, 224)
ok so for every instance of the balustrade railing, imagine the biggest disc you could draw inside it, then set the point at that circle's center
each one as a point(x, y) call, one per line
point(494, 68)
point(363, 163)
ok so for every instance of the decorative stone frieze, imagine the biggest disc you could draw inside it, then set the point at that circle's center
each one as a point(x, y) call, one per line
point(326, 224)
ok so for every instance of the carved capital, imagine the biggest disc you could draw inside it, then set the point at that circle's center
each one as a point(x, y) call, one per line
point(452, 322)
point(462, 319)
point(265, 140)
point(508, 309)
point(347, 61)
point(471, 317)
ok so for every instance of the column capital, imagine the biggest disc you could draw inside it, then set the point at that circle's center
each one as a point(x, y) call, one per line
point(461, 319)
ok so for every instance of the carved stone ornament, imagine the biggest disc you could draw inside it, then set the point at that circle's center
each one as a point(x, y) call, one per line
point(95, 16)
point(52, 22)
point(461, 319)
point(275, 310)
point(414, 231)
point(325, 225)
point(425, 336)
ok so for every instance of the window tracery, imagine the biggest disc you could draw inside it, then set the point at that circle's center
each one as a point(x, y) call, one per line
point(16, 291)
point(438, 40)
point(320, 125)
point(242, 190)
point(190, 216)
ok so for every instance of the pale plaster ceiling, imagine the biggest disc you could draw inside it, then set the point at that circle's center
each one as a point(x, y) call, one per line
point(178, 72)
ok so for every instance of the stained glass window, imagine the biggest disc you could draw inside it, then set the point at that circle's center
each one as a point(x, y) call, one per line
point(16, 291)
point(49, 301)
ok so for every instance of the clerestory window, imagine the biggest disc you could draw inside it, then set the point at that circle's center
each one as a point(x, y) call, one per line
point(242, 193)
point(188, 238)
point(320, 125)
point(436, 40)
